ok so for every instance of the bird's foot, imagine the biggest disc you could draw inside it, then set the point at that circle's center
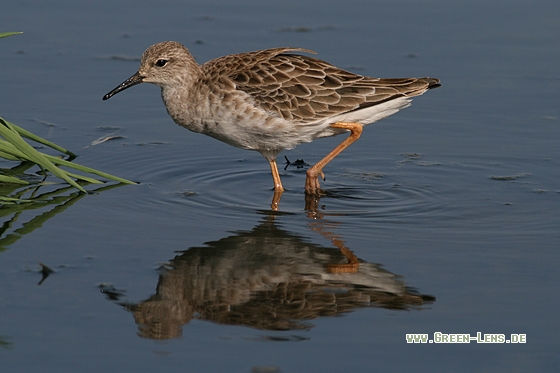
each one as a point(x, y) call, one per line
point(312, 185)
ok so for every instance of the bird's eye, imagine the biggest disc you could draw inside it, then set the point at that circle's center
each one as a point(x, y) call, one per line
point(161, 63)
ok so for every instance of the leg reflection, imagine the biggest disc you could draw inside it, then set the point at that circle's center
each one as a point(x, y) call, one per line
point(323, 227)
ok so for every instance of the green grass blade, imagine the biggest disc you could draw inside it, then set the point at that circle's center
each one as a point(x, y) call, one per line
point(89, 170)
point(12, 180)
point(12, 202)
point(11, 152)
point(8, 155)
point(31, 136)
point(33, 155)
point(6, 34)
point(16, 149)
point(87, 179)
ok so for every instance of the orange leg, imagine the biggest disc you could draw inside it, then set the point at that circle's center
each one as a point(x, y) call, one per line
point(276, 176)
point(278, 188)
point(312, 180)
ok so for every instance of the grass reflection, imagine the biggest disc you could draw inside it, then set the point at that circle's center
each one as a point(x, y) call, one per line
point(26, 208)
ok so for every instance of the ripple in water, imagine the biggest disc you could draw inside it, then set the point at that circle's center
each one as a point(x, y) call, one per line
point(223, 181)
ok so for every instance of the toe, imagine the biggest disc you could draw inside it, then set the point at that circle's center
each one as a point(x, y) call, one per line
point(312, 185)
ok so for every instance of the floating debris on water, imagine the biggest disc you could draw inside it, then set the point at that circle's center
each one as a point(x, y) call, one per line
point(508, 177)
point(45, 271)
point(299, 163)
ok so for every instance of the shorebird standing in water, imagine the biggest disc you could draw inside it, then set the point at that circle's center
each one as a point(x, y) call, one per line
point(271, 100)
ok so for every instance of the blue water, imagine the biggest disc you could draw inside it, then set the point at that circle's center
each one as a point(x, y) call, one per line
point(451, 205)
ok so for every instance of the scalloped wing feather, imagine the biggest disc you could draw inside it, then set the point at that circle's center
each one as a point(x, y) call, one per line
point(305, 89)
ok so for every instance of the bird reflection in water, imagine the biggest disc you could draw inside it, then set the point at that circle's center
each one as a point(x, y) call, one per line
point(269, 279)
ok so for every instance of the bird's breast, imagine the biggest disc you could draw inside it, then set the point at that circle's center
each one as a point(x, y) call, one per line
point(232, 117)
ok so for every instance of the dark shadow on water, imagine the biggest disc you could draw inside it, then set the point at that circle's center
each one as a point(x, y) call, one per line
point(268, 279)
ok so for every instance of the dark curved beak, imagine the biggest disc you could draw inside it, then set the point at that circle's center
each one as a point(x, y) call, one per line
point(133, 80)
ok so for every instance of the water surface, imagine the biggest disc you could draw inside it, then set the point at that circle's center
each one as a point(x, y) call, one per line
point(451, 206)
